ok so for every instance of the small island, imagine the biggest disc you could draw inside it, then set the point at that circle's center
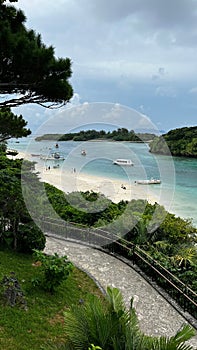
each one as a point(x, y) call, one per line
point(181, 142)
point(121, 134)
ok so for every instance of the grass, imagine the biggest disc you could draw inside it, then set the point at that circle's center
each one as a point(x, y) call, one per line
point(41, 327)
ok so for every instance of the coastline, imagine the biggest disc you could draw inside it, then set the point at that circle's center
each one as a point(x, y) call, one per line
point(71, 181)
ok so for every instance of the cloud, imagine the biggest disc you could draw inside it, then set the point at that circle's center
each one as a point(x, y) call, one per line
point(193, 90)
point(91, 115)
point(165, 91)
point(131, 52)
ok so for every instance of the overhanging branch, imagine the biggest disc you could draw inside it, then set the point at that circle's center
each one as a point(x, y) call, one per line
point(15, 102)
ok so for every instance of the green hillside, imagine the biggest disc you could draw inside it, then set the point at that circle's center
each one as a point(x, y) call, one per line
point(120, 134)
point(177, 142)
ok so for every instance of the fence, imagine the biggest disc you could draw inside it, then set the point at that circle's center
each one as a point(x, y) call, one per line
point(181, 293)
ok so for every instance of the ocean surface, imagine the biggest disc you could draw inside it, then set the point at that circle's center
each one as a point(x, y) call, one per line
point(178, 188)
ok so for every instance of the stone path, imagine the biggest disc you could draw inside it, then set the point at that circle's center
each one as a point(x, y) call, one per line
point(155, 314)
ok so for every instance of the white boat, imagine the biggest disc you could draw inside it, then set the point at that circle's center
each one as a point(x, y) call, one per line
point(123, 162)
point(148, 182)
point(52, 156)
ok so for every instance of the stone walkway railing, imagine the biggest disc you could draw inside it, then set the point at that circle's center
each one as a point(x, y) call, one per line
point(156, 316)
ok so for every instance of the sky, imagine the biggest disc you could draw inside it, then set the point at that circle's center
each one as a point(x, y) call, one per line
point(141, 54)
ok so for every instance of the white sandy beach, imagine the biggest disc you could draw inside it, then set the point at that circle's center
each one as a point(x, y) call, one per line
point(69, 181)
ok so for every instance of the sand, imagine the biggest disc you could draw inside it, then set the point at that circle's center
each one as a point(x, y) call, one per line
point(69, 181)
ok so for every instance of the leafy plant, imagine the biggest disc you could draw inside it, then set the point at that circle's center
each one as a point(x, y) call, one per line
point(93, 347)
point(113, 327)
point(30, 237)
point(55, 270)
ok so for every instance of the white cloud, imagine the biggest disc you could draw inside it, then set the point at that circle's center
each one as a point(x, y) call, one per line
point(165, 91)
point(193, 90)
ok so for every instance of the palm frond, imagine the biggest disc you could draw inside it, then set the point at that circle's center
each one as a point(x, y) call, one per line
point(184, 334)
point(115, 300)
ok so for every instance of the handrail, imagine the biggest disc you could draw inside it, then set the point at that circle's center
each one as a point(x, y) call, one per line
point(137, 254)
point(168, 272)
point(158, 264)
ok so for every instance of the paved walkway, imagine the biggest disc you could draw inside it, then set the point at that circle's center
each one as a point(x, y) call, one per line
point(155, 314)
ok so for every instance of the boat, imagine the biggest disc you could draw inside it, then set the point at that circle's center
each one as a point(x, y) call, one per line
point(52, 156)
point(148, 182)
point(83, 152)
point(123, 162)
point(35, 155)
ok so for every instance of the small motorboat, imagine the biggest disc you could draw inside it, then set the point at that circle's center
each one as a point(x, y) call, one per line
point(148, 182)
point(123, 162)
point(52, 156)
point(83, 152)
point(35, 155)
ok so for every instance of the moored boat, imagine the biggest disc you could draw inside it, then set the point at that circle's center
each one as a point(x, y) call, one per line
point(148, 182)
point(35, 155)
point(123, 162)
point(52, 156)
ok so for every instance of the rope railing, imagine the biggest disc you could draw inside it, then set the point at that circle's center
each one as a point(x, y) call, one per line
point(112, 243)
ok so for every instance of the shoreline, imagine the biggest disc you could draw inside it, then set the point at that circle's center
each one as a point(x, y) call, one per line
point(70, 181)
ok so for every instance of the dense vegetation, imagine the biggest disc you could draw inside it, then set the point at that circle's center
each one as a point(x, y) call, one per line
point(12, 125)
point(120, 134)
point(17, 229)
point(167, 238)
point(177, 142)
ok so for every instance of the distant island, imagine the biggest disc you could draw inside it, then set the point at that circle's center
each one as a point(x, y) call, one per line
point(180, 142)
point(120, 134)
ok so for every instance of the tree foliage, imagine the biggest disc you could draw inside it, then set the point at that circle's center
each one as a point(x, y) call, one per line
point(168, 239)
point(177, 142)
point(12, 125)
point(121, 134)
point(17, 230)
point(29, 71)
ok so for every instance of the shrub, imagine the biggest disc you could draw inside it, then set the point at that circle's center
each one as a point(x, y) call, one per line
point(55, 270)
point(30, 237)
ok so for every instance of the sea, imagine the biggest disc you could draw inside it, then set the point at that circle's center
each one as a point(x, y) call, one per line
point(178, 175)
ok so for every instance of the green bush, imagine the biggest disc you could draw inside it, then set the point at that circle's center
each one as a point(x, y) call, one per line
point(55, 270)
point(30, 237)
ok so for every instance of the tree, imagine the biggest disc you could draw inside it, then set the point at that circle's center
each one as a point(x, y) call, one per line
point(29, 71)
point(12, 125)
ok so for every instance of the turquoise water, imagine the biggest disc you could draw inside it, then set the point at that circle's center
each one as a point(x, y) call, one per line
point(178, 189)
